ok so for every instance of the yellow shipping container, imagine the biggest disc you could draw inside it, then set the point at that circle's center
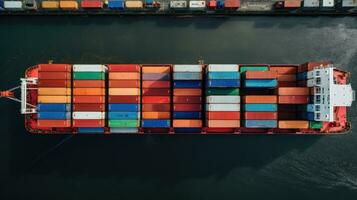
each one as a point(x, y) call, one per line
point(134, 4)
point(124, 91)
point(50, 4)
point(54, 99)
point(69, 5)
point(164, 69)
point(54, 91)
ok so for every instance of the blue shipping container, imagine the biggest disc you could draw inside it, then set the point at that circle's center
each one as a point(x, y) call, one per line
point(266, 83)
point(187, 115)
point(187, 84)
point(59, 107)
point(90, 130)
point(187, 130)
point(123, 115)
point(261, 107)
point(124, 107)
point(223, 75)
point(149, 2)
point(54, 115)
point(124, 130)
point(220, 4)
point(114, 4)
point(155, 123)
point(310, 108)
point(223, 83)
point(301, 76)
point(260, 123)
point(187, 76)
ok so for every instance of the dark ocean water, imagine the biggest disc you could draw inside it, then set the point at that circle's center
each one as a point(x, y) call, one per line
point(174, 167)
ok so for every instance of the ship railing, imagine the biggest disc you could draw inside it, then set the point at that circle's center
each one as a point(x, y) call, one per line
point(27, 108)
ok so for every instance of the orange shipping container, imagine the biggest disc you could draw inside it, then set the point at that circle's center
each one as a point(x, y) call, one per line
point(54, 67)
point(54, 99)
point(187, 92)
point(89, 91)
point(124, 91)
point(293, 91)
point(156, 69)
point(88, 84)
point(293, 124)
point(124, 76)
point(286, 77)
point(260, 75)
point(284, 69)
point(294, 99)
point(156, 115)
point(182, 123)
point(69, 5)
point(223, 123)
point(54, 91)
point(53, 123)
point(260, 99)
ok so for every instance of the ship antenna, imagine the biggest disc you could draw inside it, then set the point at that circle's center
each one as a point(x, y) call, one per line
point(201, 61)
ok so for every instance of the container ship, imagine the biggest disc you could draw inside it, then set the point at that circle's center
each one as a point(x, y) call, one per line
point(308, 99)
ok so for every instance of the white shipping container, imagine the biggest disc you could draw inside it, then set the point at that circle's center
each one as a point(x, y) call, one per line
point(187, 68)
point(197, 4)
point(328, 3)
point(223, 99)
point(124, 130)
point(88, 68)
point(88, 115)
point(311, 3)
point(349, 3)
point(222, 68)
point(178, 4)
point(13, 5)
point(223, 107)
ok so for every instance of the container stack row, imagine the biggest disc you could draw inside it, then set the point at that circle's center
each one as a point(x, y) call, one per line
point(54, 95)
point(156, 96)
point(222, 96)
point(89, 98)
point(260, 103)
point(187, 98)
point(124, 98)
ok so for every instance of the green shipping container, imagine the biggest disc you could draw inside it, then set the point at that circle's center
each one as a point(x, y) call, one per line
point(244, 68)
point(222, 91)
point(88, 75)
point(123, 123)
point(315, 125)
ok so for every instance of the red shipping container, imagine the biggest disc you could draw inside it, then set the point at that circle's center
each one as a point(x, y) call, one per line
point(284, 69)
point(294, 99)
point(187, 107)
point(212, 4)
point(223, 115)
point(155, 92)
point(293, 91)
point(53, 123)
point(156, 99)
point(311, 65)
point(156, 84)
point(54, 75)
point(124, 99)
point(88, 107)
point(88, 123)
point(156, 107)
point(286, 77)
point(292, 3)
point(124, 84)
point(54, 83)
point(54, 68)
point(124, 68)
point(91, 4)
point(232, 4)
point(190, 99)
point(88, 84)
point(260, 75)
point(88, 99)
point(261, 115)
point(286, 84)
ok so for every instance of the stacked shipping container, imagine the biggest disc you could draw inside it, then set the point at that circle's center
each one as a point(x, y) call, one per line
point(89, 98)
point(222, 93)
point(124, 98)
point(260, 111)
point(54, 95)
point(156, 96)
point(187, 115)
